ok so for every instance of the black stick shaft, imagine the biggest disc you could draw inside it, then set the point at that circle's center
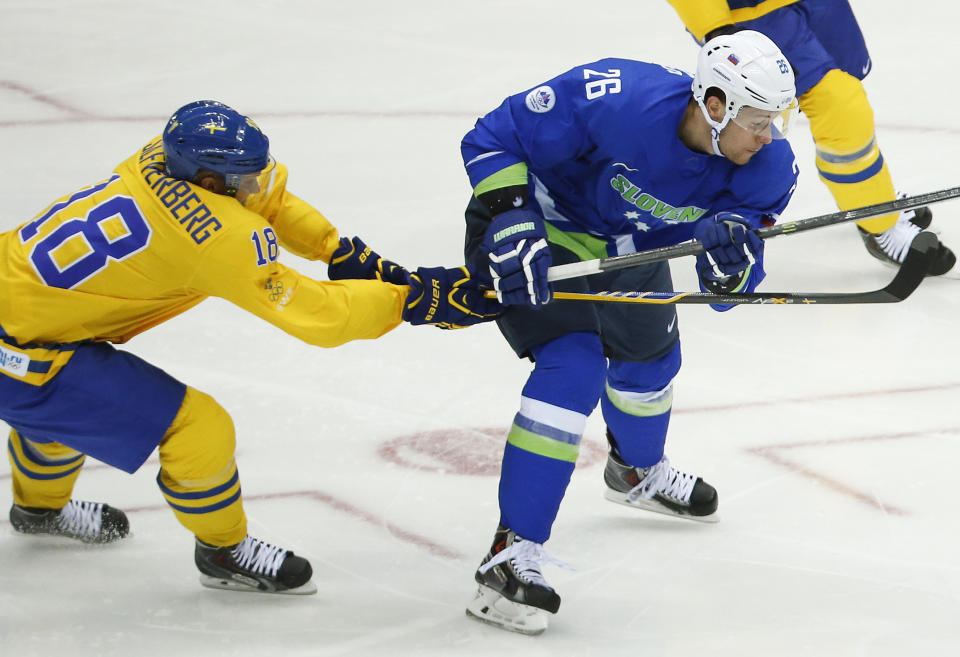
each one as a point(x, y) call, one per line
point(909, 276)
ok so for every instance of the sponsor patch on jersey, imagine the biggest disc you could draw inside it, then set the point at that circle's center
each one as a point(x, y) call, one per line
point(13, 361)
point(541, 99)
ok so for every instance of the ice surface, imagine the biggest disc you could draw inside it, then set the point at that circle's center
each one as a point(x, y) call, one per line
point(830, 432)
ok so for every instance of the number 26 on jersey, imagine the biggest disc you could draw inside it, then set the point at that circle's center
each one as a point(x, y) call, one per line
point(600, 84)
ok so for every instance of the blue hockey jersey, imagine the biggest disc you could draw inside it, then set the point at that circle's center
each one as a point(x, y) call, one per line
point(604, 158)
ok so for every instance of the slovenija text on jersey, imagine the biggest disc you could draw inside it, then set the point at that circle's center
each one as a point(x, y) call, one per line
point(652, 205)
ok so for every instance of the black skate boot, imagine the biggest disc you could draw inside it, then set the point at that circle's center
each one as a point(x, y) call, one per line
point(891, 246)
point(660, 488)
point(90, 522)
point(513, 593)
point(253, 565)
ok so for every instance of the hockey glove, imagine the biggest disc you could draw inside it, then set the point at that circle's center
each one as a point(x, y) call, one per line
point(516, 243)
point(733, 257)
point(447, 298)
point(354, 259)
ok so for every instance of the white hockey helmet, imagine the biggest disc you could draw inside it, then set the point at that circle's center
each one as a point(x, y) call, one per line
point(751, 71)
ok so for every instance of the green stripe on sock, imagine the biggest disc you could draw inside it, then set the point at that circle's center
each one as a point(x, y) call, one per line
point(537, 444)
point(640, 409)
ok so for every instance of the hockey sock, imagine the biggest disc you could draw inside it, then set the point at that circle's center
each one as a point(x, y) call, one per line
point(544, 441)
point(198, 475)
point(848, 158)
point(43, 473)
point(636, 406)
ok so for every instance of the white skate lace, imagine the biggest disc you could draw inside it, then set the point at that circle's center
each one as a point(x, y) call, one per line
point(526, 557)
point(665, 480)
point(259, 557)
point(896, 240)
point(81, 518)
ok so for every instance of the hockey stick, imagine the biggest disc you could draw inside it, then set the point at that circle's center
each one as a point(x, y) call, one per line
point(588, 267)
point(908, 278)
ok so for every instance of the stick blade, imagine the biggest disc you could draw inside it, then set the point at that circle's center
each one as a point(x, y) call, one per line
point(914, 268)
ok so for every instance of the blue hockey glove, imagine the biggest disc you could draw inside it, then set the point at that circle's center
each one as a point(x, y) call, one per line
point(354, 259)
point(733, 258)
point(516, 243)
point(448, 298)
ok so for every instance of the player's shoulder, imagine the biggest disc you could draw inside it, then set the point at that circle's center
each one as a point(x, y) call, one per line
point(769, 176)
point(634, 71)
point(623, 90)
point(775, 161)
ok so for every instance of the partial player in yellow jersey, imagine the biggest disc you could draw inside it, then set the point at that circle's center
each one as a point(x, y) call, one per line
point(200, 211)
point(823, 41)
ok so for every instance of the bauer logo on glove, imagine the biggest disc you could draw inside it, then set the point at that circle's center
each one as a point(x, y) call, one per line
point(354, 259)
point(447, 298)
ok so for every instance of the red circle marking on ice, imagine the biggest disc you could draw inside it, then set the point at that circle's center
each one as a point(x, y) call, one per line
point(464, 451)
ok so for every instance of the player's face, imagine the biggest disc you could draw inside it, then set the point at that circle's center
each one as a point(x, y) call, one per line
point(239, 187)
point(242, 186)
point(765, 122)
point(739, 144)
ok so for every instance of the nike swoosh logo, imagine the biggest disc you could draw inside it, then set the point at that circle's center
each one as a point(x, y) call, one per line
point(671, 324)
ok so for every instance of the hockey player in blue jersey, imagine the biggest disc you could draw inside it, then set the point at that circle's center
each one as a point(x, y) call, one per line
point(823, 41)
point(611, 158)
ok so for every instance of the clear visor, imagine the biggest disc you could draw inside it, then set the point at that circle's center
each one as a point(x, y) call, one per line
point(764, 123)
point(242, 185)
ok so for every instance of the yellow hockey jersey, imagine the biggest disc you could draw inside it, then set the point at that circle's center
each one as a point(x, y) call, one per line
point(116, 258)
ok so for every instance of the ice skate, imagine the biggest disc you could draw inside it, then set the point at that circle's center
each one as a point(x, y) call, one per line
point(891, 246)
point(253, 565)
point(90, 522)
point(660, 488)
point(513, 594)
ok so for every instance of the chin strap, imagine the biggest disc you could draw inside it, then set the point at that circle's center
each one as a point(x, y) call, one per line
point(715, 127)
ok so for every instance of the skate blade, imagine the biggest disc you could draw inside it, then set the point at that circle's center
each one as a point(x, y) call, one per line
point(656, 507)
point(493, 609)
point(225, 584)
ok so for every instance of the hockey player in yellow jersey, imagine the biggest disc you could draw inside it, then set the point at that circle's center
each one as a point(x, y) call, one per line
point(200, 211)
point(823, 42)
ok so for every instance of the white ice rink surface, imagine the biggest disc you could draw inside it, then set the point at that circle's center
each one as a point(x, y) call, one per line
point(830, 432)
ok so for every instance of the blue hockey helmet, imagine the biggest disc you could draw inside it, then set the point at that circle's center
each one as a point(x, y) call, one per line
point(209, 135)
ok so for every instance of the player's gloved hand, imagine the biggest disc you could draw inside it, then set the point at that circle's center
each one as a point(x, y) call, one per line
point(354, 259)
point(448, 298)
point(733, 257)
point(516, 243)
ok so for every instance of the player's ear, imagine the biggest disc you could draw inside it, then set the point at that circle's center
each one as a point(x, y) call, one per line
point(715, 106)
point(210, 181)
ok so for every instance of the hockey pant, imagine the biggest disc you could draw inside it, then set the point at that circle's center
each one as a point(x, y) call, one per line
point(570, 376)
